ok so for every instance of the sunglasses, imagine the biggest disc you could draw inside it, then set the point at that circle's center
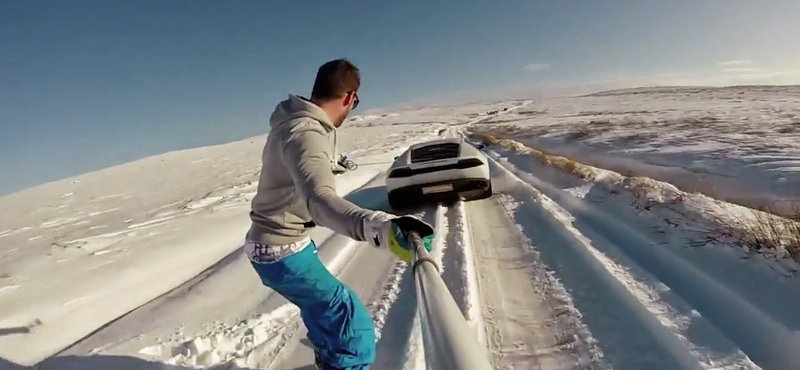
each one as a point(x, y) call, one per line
point(355, 100)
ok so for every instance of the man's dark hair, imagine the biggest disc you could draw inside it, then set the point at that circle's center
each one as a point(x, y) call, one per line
point(334, 79)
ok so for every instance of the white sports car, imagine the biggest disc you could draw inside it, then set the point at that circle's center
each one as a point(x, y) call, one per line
point(443, 170)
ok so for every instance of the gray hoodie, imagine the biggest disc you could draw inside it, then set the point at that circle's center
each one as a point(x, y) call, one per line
point(296, 188)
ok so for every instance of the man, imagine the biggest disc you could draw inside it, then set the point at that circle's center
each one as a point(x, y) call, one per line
point(296, 191)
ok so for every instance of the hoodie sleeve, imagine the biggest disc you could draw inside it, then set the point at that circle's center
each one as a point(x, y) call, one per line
point(306, 155)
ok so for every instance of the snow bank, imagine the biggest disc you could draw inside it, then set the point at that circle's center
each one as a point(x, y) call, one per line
point(242, 344)
point(248, 343)
point(153, 265)
point(723, 218)
point(748, 324)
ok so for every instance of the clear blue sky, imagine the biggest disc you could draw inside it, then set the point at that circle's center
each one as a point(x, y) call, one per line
point(89, 84)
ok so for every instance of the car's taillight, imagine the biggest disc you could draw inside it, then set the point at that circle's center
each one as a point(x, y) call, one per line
point(400, 172)
point(469, 163)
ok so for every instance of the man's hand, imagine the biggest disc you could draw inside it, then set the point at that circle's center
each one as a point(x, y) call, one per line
point(400, 241)
point(394, 234)
point(343, 164)
point(338, 169)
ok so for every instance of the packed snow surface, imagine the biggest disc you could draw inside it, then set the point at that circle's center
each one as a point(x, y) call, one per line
point(610, 262)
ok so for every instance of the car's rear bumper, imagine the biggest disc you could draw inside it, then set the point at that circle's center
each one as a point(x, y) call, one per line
point(438, 176)
point(462, 189)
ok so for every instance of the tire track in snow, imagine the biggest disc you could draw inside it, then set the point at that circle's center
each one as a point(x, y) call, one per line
point(530, 319)
point(603, 298)
point(389, 294)
point(458, 267)
point(765, 341)
point(415, 355)
point(401, 345)
point(395, 348)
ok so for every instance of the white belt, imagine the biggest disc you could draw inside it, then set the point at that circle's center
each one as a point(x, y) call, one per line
point(264, 253)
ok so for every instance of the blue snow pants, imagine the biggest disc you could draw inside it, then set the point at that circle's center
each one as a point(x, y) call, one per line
point(338, 324)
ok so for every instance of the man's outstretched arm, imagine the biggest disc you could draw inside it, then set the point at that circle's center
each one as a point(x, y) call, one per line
point(306, 157)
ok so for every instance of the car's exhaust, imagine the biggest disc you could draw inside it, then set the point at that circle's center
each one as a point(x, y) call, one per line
point(447, 339)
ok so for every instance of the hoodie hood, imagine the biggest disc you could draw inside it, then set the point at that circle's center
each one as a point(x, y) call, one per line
point(297, 107)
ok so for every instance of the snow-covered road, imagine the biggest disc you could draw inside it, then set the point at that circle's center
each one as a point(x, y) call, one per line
point(529, 321)
point(552, 272)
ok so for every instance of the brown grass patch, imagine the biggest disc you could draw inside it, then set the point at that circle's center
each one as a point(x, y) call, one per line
point(563, 163)
point(767, 231)
point(485, 137)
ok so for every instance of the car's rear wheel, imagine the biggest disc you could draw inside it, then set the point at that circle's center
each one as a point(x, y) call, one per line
point(487, 193)
point(398, 202)
point(450, 200)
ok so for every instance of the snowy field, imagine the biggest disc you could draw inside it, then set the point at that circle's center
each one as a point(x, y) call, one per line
point(138, 266)
point(736, 143)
